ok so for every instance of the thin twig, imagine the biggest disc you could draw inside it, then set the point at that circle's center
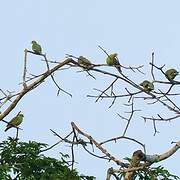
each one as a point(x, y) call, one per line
point(25, 68)
point(103, 150)
point(152, 67)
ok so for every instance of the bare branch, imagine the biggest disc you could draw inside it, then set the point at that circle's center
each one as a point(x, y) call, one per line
point(32, 86)
point(103, 150)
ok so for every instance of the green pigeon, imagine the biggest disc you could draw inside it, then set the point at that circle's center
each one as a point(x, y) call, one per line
point(171, 74)
point(84, 62)
point(112, 60)
point(16, 121)
point(147, 85)
point(36, 47)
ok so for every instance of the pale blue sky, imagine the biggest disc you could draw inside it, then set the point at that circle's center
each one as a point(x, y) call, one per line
point(131, 28)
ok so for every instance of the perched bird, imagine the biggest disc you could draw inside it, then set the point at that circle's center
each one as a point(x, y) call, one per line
point(36, 47)
point(147, 85)
point(84, 62)
point(16, 121)
point(112, 60)
point(171, 74)
point(137, 157)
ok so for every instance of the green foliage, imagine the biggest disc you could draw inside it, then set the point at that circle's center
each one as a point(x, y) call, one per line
point(153, 174)
point(24, 161)
point(156, 173)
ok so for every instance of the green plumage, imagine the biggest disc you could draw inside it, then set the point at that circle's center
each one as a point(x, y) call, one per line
point(147, 85)
point(112, 60)
point(36, 47)
point(16, 121)
point(171, 74)
point(84, 62)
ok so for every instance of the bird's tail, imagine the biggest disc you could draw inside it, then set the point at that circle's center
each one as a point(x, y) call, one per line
point(119, 69)
point(6, 129)
point(118, 66)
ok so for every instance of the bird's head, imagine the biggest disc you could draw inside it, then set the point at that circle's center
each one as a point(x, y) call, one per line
point(33, 42)
point(21, 115)
point(174, 72)
point(114, 55)
point(81, 57)
point(147, 85)
point(144, 83)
